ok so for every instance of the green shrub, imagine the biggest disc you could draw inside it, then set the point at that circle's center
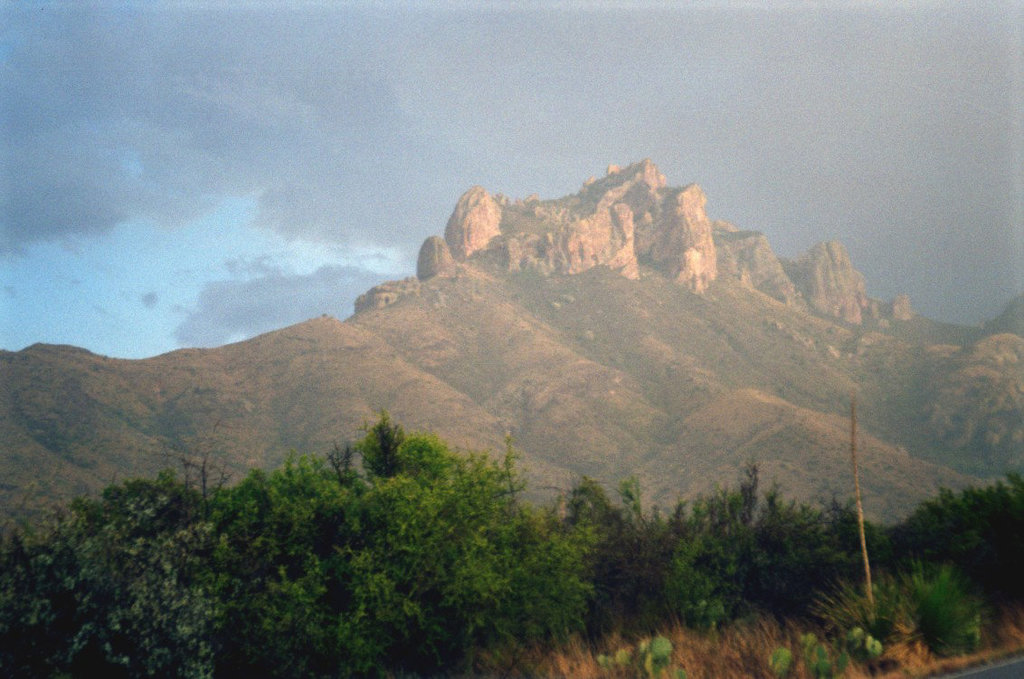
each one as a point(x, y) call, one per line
point(426, 558)
point(946, 614)
point(978, 530)
point(112, 588)
point(628, 561)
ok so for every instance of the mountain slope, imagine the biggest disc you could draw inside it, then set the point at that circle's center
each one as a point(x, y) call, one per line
point(615, 332)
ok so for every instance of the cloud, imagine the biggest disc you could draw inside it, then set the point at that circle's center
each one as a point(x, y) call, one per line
point(882, 127)
point(232, 310)
point(117, 114)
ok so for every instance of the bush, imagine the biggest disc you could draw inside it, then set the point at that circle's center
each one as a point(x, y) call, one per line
point(628, 560)
point(429, 557)
point(111, 589)
point(738, 552)
point(932, 603)
point(945, 613)
point(978, 530)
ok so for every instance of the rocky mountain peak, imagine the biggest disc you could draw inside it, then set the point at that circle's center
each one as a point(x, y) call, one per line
point(644, 172)
point(435, 259)
point(627, 216)
point(475, 221)
point(825, 277)
point(628, 219)
point(680, 241)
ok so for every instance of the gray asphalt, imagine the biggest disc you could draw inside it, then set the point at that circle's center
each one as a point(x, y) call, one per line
point(1009, 669)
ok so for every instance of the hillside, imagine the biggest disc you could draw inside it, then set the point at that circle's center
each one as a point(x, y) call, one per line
point(615, 332)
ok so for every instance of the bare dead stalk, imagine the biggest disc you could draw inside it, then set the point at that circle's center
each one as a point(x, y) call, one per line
point(860, 507)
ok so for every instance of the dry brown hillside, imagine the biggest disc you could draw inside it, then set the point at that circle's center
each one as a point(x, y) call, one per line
point(615, 332)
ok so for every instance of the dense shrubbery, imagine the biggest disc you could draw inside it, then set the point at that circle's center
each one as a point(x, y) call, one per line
point(309, 570)
point(978, 530)
point(727, 555)
point(418, 557)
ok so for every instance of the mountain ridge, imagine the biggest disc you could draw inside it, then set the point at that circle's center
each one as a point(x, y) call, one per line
point(593, 330)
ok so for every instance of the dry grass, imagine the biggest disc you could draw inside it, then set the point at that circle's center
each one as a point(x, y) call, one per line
point(743, 650)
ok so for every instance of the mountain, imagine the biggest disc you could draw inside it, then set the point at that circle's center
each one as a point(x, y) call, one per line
point(617, 331)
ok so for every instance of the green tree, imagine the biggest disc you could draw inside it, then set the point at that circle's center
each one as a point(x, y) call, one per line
point(448, 561)
point(113, 588)
point(380, 447)
point(629, 559)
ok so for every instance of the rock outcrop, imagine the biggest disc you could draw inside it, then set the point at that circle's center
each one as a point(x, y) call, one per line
point(680, 241)
point(435, 259)
point(828, 282)
point(747, 256)
point(626, 216)
point(385, 294)
point(553, 238)
point(630, 219)
point(900, 308)
point(475, 221)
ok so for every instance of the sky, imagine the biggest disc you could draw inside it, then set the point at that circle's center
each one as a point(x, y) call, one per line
point(196, 173)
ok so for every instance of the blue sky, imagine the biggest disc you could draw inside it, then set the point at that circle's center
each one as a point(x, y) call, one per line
point(191, 174)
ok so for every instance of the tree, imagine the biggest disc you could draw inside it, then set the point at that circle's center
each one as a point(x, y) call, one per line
point(113, 588)
point(379, 447)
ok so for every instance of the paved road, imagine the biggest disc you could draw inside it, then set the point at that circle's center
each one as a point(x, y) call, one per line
point(1010, 669)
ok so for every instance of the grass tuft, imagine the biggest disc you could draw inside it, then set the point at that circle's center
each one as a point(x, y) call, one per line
point(946, 614)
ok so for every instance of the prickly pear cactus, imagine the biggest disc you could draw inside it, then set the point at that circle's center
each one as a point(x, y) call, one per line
point(652, 658)
point(818, 660)
point(781, 662)
point(658, 657)
point(862, 645)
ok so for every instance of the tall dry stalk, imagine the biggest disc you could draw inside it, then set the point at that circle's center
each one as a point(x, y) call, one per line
point(860, 506)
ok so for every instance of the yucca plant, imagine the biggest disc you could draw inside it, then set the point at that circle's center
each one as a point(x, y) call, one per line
point(847, 608)
point(946, 614)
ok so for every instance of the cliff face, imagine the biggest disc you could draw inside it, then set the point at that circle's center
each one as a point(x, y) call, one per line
point(827, 280)
point(747, 256)
point(680, 242)
point(626, 221)
point(473, 224)
point(624, 218)
point(435, 259)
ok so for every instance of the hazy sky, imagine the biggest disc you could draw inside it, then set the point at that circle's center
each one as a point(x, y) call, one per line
point(189, 174)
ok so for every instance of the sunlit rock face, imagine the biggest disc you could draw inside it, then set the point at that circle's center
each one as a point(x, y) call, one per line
point(435, 259)
point(627, 216)
point(630, 219)
point(748, 257)
point(826, 278)
point(679, 239)
point(475, 221)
